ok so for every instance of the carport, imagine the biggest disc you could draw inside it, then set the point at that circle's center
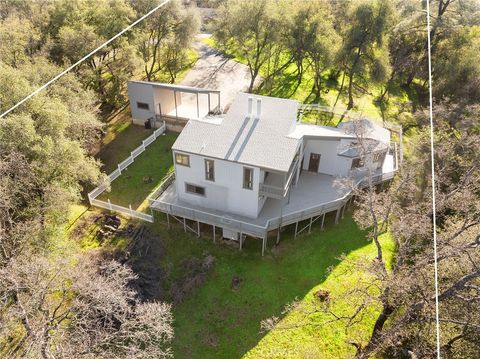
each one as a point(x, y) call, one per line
point(185, 102)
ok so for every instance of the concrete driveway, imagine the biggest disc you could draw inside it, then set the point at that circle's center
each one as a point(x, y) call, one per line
point(215, 71)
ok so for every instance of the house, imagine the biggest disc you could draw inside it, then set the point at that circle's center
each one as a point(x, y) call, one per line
point(257, 168)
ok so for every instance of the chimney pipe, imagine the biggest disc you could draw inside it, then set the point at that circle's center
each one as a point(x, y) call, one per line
point(250, 105)
point(259, 107)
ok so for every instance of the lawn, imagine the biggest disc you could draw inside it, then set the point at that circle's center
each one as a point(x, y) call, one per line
point(219, 322)
point(155, 162)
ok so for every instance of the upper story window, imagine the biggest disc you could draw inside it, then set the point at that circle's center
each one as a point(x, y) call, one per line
point(209, 170)
point(247, 178)
point(357, 163)
point(143, 106)
point(377, 157)
point(181, 159)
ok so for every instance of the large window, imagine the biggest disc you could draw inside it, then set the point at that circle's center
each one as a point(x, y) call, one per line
point(190, 188)
point(143, 106)
point(182, 159)
point(378, 156)
point(209, 170)
point(247, 178)
point(357, 163)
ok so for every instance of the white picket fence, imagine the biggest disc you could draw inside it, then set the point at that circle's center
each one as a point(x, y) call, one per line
point(92, 195)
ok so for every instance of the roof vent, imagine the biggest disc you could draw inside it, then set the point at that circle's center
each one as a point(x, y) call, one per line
point(250, 105)
point(259, 107)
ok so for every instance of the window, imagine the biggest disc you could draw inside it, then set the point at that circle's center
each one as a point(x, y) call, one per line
point(143, 106)
point(190, 188)
point(209, 170)
point(182, 159)
point(247, 178)
point(357, 163)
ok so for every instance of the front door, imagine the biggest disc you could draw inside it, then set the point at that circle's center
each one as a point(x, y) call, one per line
point(314, 162)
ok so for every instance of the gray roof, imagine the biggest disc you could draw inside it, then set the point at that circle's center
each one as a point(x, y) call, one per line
point(260, 142)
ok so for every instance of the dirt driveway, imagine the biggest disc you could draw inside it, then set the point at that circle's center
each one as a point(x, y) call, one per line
point(215, 71)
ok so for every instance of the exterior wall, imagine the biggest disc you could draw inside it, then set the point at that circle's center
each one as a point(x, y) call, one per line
point(330, 162)
point(141, 93)
point(226, 193)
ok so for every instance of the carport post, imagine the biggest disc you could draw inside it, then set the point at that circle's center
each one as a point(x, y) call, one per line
point(175, 99)
point(219, 101)
point(198, 108)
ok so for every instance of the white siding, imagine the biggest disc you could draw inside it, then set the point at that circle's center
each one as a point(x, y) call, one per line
point(138, 92)
point(226, 193)
point(330, 162)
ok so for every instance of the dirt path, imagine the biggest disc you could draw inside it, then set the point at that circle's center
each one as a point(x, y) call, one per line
point(215, 71)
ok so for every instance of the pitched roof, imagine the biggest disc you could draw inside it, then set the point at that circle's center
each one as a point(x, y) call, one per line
point(257, 141)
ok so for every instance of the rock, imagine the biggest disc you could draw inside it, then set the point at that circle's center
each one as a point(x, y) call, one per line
point(147, 179)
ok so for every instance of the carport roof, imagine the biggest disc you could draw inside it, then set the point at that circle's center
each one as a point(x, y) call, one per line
point(179, 88)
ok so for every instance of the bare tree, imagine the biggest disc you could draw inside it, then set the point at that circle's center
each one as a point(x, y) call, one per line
point(85, 309)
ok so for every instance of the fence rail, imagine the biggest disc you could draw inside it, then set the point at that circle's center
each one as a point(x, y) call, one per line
point(92, 195)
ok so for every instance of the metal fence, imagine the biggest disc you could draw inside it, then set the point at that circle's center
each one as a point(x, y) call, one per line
point(92, 195)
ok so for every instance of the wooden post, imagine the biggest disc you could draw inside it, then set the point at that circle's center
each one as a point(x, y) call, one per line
point(168, 221)
point(278, 234)
point(296, 229)
point(184, 225)
point(214, 234)
point(310, 225)
point(343, 210)
point(241, 240)
point(323, 221)
point(198, 229)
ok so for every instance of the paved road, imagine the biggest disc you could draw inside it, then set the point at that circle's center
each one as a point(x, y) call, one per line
point(215, 71)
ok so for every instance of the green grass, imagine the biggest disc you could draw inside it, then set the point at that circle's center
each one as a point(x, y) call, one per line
point(155, 162)
point(218, 322)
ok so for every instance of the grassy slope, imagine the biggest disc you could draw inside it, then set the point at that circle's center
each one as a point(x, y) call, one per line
point(218, 322)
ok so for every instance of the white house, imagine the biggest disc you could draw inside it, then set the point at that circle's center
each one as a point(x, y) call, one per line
point(257, 168)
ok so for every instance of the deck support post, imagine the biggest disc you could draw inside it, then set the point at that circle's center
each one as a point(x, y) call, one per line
point(168, 221)
point(337, 216)
point(184, 225)
point(198, 229)
point(278, 234)
point(343, 210)
point(214, 234)
point(296, 230)
point(323, 221)
point(264, 240)
point(241, 240)
point(310, 225)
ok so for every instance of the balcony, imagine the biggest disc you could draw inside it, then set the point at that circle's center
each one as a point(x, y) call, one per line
point(277, 185)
